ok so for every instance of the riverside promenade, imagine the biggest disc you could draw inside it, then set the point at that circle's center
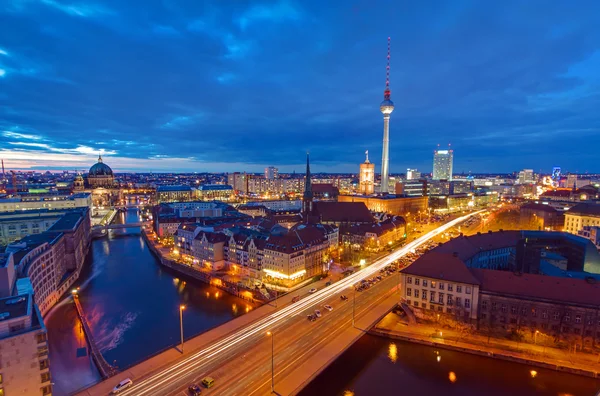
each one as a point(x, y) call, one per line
point(533, 355)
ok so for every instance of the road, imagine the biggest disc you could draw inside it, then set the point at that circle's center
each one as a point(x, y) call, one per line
point(240, 361)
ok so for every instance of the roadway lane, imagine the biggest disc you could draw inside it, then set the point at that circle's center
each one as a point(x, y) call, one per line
point(174, 378)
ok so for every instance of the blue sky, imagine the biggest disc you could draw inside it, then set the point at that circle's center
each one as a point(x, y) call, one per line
point(238, 85)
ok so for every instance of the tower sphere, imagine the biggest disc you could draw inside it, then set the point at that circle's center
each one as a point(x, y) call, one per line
point(387, 106)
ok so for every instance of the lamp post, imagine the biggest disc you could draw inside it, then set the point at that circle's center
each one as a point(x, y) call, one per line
point(535, 337)
point(270, 333)
point(353, 303)
point(181, 308)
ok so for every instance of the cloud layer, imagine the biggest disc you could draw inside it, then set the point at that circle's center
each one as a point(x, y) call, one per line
point(223, 86)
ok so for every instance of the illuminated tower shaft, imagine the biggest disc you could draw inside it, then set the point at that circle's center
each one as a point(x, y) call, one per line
point(386, 107)
point(385, 155)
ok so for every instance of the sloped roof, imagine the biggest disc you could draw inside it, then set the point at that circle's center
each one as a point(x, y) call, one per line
point(585, 209)
point(441, 266)
point(571, 290)
point(343, 212)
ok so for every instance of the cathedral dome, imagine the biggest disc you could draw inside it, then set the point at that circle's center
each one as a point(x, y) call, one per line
point(100, 169)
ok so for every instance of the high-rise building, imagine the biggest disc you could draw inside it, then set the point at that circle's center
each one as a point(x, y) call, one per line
point(386, 107)
point(412, 174)
point(239, 182)
point(526, 176)
point(367, 176)
point(442, 164)
point(271, 173)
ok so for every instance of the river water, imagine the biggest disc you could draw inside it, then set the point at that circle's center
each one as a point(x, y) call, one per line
point(133, 306)
point(379, 366)
point(132, 303)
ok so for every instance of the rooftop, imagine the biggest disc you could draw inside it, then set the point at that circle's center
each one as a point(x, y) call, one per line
point(441, 266)
point(540, 207)
point(67, 222)
point(14, 307)
point(575, 291)
point(585, 209)
point(173, 188)
point(215, 187)
point(343, 212)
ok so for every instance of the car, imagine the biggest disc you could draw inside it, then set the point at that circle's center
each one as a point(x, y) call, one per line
point(296, 299)
point(328, 307)
point(208, 382)
point(344, 298)
point(311, 317)
point(328, 283)
point(121, 386)
point(194, 390)
point(317, 313)
point(313, 290)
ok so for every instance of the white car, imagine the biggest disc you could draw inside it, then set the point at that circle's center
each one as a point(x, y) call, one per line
point(313, 290)
point(328, 307)
point(317, 313)
point(126, 383)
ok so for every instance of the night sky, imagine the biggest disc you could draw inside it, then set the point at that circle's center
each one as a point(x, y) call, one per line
point(237, 85)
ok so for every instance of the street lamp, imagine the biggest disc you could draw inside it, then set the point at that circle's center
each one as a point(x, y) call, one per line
point(353, 302)
point(181, 308)
point(270, 333)
point(535, 337)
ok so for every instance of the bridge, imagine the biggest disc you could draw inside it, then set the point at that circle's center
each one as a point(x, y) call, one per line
point(273, 345)
point(117, 226)
point(104, 368)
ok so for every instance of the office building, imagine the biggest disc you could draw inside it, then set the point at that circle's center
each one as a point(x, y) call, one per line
point(50, 202)
point(366, 184)
point(239, 182)
point(412, 188)
point(271, 173)
point(209, 192)
point(413, 174)
point(526, 176)
point(24, 364)
point(442, 164)
point(174, 193)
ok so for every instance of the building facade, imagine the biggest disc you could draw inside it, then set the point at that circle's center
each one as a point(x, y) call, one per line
point(582, 215)
point(174, 194)
point(366, 184)
point(443, 164)
point(392, 204)
point(48, 202)
point(271, 173)
point(24, 365)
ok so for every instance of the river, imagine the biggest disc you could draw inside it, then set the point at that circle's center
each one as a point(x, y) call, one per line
point(378, 366)
point(133, 306)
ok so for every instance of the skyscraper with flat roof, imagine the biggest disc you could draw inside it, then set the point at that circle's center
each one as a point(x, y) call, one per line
point(442, 164)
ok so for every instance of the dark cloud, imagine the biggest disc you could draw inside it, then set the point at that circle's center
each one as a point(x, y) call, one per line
point(510, 85)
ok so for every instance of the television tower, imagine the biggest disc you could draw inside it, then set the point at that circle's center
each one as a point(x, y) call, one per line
point(386, 107)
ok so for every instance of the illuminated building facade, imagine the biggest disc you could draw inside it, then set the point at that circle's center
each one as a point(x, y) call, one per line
point(271, 173)
point(367, 177)
point(442, 164)
point(413, 174)
point(398, 205)
point(100, 175)
point(582, 215)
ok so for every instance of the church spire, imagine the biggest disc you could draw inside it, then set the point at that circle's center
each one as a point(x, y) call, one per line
point(307, 199)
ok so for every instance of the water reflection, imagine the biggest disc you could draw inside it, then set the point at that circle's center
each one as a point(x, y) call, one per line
point(393, 352)
point(367, 369)
point(132, 304)
point(452, 377)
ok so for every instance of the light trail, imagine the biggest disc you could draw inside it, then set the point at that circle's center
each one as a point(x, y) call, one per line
point(197, 359)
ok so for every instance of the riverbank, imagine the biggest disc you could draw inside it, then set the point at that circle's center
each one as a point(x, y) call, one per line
point(252, 296)
point(533, 355)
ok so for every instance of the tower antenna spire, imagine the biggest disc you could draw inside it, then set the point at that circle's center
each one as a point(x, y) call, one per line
point(387, 92)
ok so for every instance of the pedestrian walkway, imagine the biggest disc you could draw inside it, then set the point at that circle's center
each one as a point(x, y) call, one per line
point(559, 359)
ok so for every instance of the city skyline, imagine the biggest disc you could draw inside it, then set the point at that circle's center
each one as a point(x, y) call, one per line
point(135, 88)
